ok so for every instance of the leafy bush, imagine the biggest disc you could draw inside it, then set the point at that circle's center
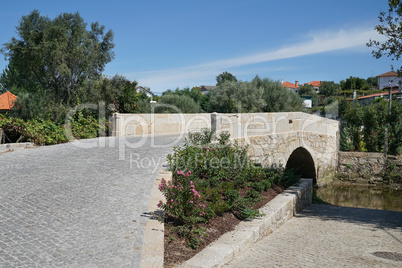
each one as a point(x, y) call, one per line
point(212, 176)
point(182, 199)
point(364, 127)
point(47, 132)
point(174, 103)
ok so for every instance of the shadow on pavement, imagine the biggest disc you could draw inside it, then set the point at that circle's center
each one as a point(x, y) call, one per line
point(377, 218)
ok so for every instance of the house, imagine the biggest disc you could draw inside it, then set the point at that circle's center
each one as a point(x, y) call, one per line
point(206, 89)
point(288, 85)
point(147, 91)
point(7, 101)
point(316, 85)
point(389, 79)
point(308, 101)
point(295, 86)
point(369, 99)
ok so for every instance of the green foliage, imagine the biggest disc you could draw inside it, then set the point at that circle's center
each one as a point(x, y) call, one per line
point(46, 132)
point(342, 107)
point(225, 76)
point(144, 105)
point(308, 90)
point(117, 93)
point(182, 199)
point(201, 138)
point(364, 128)
point(248, 213)
point(352, 83)
point(392, 173)
point(276, 97)
point(217, 172)
point(258, 186)
point(56, 56)
point(391, 27)
point(194, 93)
point(234, 97)
point(175, 103)
point(372, 82)
point(329, 88)
point(37, 106)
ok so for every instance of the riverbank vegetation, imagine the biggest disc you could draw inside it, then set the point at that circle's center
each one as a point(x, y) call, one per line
point(363, 128)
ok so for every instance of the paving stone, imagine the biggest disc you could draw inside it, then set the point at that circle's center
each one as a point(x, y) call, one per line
point(64, 205)
point(328, 236)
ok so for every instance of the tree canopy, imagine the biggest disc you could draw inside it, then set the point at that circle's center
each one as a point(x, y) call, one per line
point(225, 76)
point(276, 97)
point(391, 27)
point(234, 97)
point(353, 83)
point(55, 57)
point(308, 90)
point(329, 88)
point(175, 103)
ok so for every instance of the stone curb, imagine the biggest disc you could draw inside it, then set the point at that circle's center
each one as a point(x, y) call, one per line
point(15, 146)
point(277, 212)
point(152, 253)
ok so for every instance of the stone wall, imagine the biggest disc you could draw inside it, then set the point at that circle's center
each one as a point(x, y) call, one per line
point(127, 125)
point(365, 167)
point(278, 211)
point(271, 137)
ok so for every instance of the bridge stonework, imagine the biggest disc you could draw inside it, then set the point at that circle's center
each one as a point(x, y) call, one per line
point(293, 139)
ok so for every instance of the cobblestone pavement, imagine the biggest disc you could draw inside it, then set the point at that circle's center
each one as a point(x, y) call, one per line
point(69, 206)
point(329, 236)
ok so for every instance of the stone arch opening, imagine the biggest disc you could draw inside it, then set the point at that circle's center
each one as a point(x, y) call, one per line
point(302, 162)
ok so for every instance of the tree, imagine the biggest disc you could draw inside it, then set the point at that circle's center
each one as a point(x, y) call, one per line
point(329, 88)
point(353, 83)
point(56, 57)
point(372, 82)
point(391, 27)
point(278, 98)
point(194, 93)
point(225, 76)
point(234, 97)
point(308, 90)
point(363, 127)
point(182, 104)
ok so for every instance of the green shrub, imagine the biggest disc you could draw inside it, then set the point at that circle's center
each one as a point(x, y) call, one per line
point(47, 132)
point(219, 170)
point(258, 186)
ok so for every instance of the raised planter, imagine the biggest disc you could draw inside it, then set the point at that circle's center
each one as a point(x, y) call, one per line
point(277, 212)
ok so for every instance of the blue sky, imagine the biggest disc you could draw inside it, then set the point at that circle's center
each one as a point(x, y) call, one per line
point(169, 44)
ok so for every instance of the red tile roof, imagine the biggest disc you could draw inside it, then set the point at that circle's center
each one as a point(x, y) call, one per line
point(377, 94)
point(7, 100)
point(288, 85)
point(314, 83)
point(388, 74)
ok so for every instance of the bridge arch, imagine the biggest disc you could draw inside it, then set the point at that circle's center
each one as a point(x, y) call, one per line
point(302, 161)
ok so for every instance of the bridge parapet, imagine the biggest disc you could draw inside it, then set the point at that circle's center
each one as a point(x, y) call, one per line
point(272, 138)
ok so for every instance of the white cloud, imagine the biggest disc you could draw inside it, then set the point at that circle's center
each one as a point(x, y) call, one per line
point(205, 73)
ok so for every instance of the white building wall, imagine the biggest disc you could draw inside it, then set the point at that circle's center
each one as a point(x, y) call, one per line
point(384, 82)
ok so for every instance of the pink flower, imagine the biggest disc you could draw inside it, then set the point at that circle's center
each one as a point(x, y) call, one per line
point(180, 172)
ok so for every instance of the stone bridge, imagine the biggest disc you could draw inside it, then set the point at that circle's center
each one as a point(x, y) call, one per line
point(298, 140)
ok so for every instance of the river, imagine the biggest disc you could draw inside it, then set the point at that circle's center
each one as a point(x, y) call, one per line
point(362, 196)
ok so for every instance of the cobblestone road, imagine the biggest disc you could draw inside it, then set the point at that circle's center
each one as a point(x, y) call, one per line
point(329, 236)
point(69, 206)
